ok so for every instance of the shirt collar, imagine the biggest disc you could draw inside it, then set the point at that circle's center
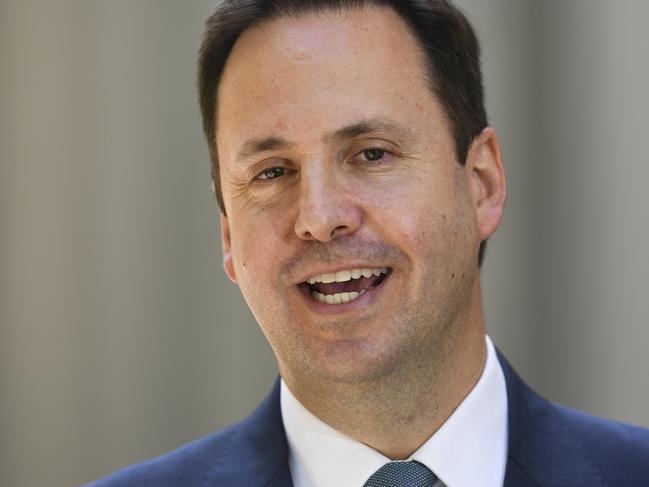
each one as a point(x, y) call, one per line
point(469, 449)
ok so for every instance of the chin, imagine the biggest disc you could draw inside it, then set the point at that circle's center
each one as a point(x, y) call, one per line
point(353, 362)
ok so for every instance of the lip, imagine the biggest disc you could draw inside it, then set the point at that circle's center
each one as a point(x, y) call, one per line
point(361, 303)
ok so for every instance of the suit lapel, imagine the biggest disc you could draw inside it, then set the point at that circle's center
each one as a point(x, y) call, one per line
point(257, 454)
point(515, 473)
point(515, 476)
point(282, 478)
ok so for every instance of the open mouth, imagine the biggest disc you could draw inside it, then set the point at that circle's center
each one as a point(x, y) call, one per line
point(344, 286)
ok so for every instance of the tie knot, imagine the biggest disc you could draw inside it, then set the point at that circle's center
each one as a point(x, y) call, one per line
point(402, 474)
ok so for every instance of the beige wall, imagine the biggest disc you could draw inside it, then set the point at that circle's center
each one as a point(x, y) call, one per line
point(119, 335)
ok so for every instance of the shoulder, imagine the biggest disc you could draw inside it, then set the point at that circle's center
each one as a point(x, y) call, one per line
point(556, 445)
point(250, 453)
point(184, 466)
point(619, 450)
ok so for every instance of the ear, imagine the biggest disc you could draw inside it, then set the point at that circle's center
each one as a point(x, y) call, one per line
point(228, 264)
point(486, 176)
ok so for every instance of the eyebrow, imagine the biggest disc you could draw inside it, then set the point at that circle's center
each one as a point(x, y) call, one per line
point(367, 127)
point(257, 146)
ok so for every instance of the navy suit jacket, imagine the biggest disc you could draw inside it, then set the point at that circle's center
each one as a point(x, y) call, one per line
point(549, 446)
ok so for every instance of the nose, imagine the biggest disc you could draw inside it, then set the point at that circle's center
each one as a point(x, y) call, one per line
point(327, 208)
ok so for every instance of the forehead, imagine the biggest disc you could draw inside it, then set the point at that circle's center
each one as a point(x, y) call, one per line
point(310, 74)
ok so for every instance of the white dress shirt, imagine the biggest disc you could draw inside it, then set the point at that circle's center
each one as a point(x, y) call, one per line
point(468, 450)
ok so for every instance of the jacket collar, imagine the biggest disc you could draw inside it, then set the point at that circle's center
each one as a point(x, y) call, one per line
point(257, 454)
point(542, 451)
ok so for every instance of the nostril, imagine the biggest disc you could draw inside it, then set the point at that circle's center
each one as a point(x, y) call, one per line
point(339, 230)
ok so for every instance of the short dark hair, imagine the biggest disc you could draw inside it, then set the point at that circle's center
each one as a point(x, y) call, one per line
point(448, 41)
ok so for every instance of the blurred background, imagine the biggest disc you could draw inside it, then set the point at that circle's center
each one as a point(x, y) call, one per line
point(120, 337)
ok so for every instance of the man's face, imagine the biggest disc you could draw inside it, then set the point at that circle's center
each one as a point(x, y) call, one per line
point(336, 159)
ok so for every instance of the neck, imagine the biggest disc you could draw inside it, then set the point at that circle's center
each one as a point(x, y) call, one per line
point(397, 413)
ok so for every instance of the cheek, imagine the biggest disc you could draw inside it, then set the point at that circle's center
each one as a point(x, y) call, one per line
point(259, 247)
point(250, 256)
point(254, 262)
point(249, 253)
point(258, 230)
point(413, 216)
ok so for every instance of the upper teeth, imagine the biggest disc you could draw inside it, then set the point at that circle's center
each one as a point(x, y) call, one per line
point(344, 276)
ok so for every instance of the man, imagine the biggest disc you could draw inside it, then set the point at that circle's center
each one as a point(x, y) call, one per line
point(358, 182)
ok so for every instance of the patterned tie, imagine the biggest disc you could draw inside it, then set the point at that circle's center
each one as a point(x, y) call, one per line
point(402, 474)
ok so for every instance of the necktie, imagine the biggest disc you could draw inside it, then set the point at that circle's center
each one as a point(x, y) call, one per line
point(402, 474)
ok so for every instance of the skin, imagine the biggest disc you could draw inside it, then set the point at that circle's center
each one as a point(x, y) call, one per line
point(389, 368)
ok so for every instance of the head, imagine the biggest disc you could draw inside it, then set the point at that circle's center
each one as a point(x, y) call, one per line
point(344, 151)
point(443, 33)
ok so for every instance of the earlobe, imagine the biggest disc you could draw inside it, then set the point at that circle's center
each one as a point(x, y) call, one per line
point(228, 263)
point(486, 176)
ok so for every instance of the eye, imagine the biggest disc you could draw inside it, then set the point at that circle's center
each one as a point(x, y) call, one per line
point(271, 173)
point(373, 154)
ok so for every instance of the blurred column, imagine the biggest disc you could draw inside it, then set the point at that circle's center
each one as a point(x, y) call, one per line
point(119, 332)
point(592, 206)
point(38, 185)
